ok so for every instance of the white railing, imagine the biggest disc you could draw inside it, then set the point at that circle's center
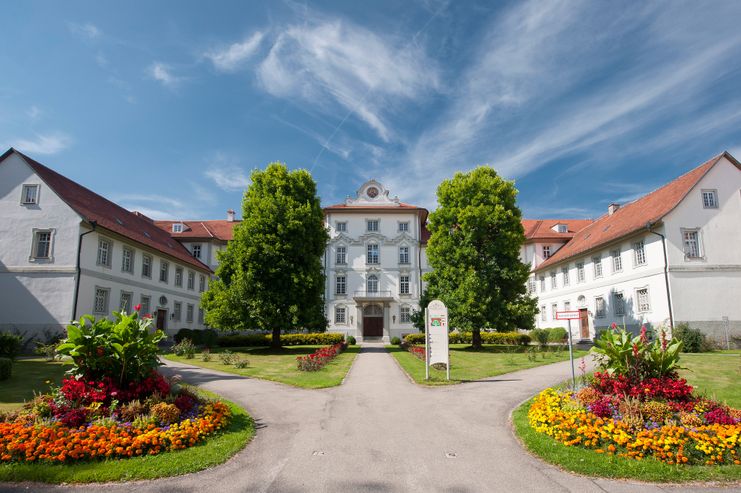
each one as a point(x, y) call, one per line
point(364, 293)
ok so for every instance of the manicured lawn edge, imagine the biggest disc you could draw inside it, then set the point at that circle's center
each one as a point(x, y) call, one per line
point(215, 450)
point(589, 463)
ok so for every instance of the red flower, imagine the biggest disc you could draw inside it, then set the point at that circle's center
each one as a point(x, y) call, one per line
point(137, 307)
point(644, 337)
point(613, 326)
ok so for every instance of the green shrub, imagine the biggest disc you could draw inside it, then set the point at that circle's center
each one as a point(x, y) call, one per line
point(315, 339)
point(48, 351)
point(395, 341)
point(351, 340)
point(540, 335)
point(185, 348)
point(455, 337)
point(183, 334)
point(557, 334)
point(10, 345)
point(241, 363)
point(6, 368)
point(206, 355)
point(693, 340)
point(228, 357)
point(208, 338)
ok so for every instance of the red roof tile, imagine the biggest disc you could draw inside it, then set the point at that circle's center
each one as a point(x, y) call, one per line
point(634, 216)
point(542, 229)
point(201, 230)
point(93, 207)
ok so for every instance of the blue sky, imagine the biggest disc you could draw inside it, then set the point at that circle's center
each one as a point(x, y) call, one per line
point(166, 107)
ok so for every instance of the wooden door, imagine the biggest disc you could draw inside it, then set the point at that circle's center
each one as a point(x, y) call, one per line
point(372, 326)
point(161, 317)
point(584, 322)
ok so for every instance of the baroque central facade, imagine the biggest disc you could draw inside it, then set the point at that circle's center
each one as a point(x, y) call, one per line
point(374, 264)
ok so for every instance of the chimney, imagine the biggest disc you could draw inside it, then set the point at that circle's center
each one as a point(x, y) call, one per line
point(230, 215)
point(612, 208)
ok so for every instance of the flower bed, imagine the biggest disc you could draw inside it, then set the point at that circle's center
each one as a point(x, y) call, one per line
point(418, 351)
point(638, 407)
point(319, 358)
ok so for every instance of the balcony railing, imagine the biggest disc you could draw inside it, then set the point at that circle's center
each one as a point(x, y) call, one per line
point(364, 293)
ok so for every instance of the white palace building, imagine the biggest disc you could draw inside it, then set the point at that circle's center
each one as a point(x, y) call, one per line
point(670, 256)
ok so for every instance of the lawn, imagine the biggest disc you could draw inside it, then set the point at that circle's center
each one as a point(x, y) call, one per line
point(715, 374)
point(468, 365)
point(279, 365)
point(29, 376)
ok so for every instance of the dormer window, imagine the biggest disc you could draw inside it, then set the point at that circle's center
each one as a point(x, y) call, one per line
point(30, 195)
point(560, 228)
point(177, 228)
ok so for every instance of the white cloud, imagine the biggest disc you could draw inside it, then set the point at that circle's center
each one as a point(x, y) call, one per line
point(44, 144)
point(336, 65)
point(233, 56)
point(162, 72)
point(224, 171)
point(34, 112)
point(87, 30)
point(157, 207)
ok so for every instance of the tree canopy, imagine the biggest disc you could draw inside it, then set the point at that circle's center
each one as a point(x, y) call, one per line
point(270, 276)
point(474, 252)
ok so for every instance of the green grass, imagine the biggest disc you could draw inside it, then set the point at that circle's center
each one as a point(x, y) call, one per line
point(279, 365)
point(469, 365)
point(716, 374)
point(584, 461)
point(215, 450)
point(29, 376)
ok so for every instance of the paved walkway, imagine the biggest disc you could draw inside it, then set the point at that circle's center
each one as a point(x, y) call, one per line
point(379, 432)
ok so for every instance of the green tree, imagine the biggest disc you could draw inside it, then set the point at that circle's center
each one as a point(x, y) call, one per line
point(270, 275)
point(474, 251)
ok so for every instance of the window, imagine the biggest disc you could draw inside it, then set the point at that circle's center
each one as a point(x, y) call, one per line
point(201, 283)
point(617, 261)
point(597, 263)
point(339, 314)
point(372, 257)
point(341, 226)
point(691, 241)
point(127, 260)
point(639, 253)
point(403, 227)
point(554, 309)
point(405, 315)
point(164, 270)
point(179, 277)
point(191, 280)
point(644, 303)
point(618, 301)
point(404, 255)
point(566, 278)
point(710, 199)
point(580, 272)
point(340, 284)
point(372, 225)
point(125, 303)
point(200, 315)
point(101, 300)
point(146, 303)
point(41, 245)
point(542, 283)
point(341, 255)
point(30, 195)
point(196, 249)
point(561, 228)
point(567, 305)
point(177, 228)
point(542, 313)
point(554, 283)
point(177, 311)
point(147, 266)
point(404, 284)
point(599, 307)
point(546, 251)
point(531, 285)
point(104, 252)
point(371, 284)
point(189, 313)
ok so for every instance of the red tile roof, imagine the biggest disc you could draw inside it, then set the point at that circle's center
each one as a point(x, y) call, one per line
point(634, 216)
point(106, 214)
point(220, 229)
point(541, 229)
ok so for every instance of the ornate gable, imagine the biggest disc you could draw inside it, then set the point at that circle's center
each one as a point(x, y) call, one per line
point(372, 193)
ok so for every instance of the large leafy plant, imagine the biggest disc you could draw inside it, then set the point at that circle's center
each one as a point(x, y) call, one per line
point(124, 349)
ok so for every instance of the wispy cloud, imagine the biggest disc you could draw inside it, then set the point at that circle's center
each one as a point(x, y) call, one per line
point(334, 64)
point(224, 171)
point(162, 73)
point(34, 112)
point(44, 144)
point(158, 207)
point(232, 57)
point(87, 30)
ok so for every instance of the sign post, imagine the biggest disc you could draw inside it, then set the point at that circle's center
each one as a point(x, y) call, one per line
point(570, 315)
point(436, 337)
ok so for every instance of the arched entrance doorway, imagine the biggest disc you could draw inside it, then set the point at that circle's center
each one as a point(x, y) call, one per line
point(372, 321)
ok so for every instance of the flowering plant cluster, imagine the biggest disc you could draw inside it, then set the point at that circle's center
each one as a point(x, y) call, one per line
point(418, 351)
point(319, 358)
point(637, 430)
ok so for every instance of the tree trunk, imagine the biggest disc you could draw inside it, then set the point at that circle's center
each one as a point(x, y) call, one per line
point(476, 339)
point(275, 342)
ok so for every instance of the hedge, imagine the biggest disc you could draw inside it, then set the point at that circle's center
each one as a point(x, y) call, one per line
point(318, 339)
point(10, 345)
point(511, 338)
point(6, 368)
point(206, 337)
